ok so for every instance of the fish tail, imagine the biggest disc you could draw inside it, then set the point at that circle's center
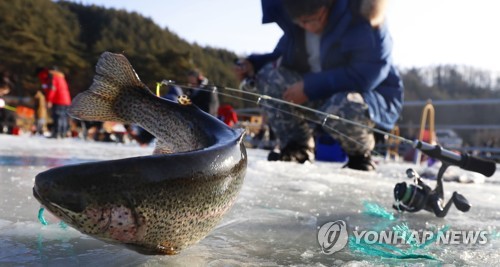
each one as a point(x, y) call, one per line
point(113, 74)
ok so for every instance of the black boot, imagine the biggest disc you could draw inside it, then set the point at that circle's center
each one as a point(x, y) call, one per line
point(360, 162)
point(293, 152)
point(274, 156)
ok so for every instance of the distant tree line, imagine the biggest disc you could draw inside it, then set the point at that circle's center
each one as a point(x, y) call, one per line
point(445, 82)
point(451, 82)
point(69, 35)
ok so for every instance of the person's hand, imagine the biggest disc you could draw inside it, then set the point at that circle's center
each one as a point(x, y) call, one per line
point(49, 104)
point(295, 93)
point(243, 69)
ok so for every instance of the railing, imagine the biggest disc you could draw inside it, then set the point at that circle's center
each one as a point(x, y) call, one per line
point(453, 102)
point(492, 126)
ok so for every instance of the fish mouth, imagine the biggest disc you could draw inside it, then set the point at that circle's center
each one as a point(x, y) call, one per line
point(109, 222)
point(57, 210)
point(36, 195)
point(73, 202)
point(69, 211)
point(43, 201)
point(64, 204)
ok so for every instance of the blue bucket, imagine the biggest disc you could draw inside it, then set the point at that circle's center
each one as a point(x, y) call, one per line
point(329, 149)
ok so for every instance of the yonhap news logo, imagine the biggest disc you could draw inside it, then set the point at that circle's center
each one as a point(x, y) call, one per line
point(334, 236)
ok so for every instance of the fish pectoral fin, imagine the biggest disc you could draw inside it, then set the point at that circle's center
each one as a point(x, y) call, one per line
point(162, 147)
point(92, 107)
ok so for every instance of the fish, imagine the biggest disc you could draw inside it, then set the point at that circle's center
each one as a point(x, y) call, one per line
point(154, 204)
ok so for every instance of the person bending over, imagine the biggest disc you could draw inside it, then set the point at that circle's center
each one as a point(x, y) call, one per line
point(334, 55)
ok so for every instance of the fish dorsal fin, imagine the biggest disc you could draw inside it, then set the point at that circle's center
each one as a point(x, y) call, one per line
point(113, 74)
point(89, 106)
point(114, 70)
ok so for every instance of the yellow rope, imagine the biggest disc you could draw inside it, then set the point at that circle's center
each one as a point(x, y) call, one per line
point(10, 108)
point(158, 86)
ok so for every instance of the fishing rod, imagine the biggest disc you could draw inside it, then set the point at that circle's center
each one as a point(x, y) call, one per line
point(411, 197)
point(260, 102)
point(450, 158)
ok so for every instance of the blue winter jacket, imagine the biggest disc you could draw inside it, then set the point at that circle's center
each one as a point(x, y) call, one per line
point(354, 57)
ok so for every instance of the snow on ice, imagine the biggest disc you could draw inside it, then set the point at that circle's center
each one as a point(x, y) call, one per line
point(275, 220)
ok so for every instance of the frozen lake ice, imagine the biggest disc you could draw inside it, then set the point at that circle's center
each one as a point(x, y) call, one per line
point(275, 220)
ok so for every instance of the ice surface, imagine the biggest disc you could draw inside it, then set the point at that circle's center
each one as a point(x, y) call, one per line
point(274, 221)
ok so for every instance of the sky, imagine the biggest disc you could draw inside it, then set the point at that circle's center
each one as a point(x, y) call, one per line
point(425, 32)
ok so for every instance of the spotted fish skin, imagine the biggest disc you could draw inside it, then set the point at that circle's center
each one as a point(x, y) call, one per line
point(117, 94)
point(157, 204)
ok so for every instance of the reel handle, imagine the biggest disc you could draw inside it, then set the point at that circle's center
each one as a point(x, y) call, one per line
point(464, 161)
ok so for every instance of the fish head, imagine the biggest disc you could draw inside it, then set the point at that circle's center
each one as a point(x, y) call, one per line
point(91, 207)
point(59, 194)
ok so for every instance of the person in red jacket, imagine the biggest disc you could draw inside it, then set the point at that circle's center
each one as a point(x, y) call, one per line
point(227, 114)
point(58, 99)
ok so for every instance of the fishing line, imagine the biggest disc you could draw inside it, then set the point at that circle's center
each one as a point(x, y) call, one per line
point(327, 116)
point(261, 101)
point(448, 157)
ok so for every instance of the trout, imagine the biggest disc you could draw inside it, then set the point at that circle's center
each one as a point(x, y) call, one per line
point(156, 204)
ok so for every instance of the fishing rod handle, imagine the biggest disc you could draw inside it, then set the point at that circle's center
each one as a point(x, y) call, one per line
point(464, 161)
point(477, 164)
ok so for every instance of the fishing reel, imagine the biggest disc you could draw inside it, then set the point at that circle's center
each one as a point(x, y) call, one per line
point(418, 195)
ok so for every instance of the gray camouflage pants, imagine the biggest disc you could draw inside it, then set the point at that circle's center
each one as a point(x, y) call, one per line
point(293, 125)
